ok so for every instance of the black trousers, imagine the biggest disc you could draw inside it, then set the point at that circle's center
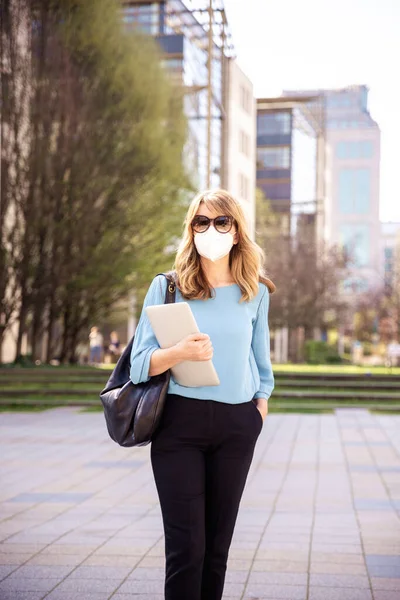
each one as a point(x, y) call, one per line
point(200, 455)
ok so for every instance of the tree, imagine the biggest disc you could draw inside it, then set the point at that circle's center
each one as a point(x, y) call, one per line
point(306, 272)
point(101, 190)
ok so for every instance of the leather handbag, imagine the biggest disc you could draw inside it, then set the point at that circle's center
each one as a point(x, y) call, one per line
point(133, 411)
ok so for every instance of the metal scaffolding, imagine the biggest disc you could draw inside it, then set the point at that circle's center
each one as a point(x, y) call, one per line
point(204, 24)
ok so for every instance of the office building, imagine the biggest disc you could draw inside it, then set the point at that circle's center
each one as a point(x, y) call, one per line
point(291, 159)
point(352, 186)
point(218, 97)
point(239, 140)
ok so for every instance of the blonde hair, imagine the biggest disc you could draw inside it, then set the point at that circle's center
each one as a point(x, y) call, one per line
point(245, 258)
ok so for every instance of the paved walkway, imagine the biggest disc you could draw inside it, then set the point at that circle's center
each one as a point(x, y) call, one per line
point(319, 519)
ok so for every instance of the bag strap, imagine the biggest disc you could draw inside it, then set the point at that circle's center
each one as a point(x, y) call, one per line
point(171, 286)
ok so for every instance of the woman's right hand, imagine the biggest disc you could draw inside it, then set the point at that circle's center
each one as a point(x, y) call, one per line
point(196, 346)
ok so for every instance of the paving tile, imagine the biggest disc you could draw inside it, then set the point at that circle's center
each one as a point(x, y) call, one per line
point(362, 468)
point(6, 570)
point(12, 595)
point(14, 559)
point(57, 595)
point(89, 529)
point(338, 568)
point(337, 557)
point(382, 560)
point(8, 548)
point(325, 593)
point(380, 583)
point(384, 571)
point(26, 584)
point(34, 497)
point(232, 576)
point(41, 572)
point(114, 464)
point(286, 592)
point(386, 595)
point(137, 597)
point(278, 578)
point(93, 572)
point(49, 560)
point(132, 586)
point(111, 561)
point(155, 573)
point(373, 504)
point(77, 585)
point(338, 580)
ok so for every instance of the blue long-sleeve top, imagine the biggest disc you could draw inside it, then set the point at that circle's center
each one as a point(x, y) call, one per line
point(239, 334)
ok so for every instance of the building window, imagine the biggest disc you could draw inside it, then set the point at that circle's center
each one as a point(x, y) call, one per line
point(245, 99)
point(338, 100)
point(243, 186)
point(355, 239)
point(354, 191)
point(174, 66)
point(355, 149)
point(273, 157)
point(144, 16)
point(273, 123)
point(355, 285)
point(244, 143)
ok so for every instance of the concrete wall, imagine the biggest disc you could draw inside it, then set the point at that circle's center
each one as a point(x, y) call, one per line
point(240, 140)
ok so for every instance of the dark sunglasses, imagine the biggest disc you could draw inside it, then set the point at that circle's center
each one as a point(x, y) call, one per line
point(222, 223)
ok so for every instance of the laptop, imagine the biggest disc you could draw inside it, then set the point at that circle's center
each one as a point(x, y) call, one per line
point(171, 323)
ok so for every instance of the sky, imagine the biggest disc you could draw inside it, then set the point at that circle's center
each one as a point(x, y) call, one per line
point(310, 44)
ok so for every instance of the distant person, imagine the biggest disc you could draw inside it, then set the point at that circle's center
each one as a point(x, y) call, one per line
point(96, 346)
point(114, 346)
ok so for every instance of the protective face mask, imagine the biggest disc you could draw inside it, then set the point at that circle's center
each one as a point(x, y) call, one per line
point(212, 244)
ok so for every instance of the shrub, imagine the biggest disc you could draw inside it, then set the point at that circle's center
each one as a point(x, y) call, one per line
point(319, 352)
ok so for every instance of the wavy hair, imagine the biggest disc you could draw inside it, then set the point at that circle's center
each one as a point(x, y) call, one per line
point(246, 258)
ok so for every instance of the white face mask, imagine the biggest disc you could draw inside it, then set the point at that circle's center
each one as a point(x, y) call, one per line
point(212, 244)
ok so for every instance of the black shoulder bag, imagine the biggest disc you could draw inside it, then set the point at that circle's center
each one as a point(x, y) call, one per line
point(133, 411)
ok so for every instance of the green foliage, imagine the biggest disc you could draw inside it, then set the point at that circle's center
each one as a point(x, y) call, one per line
point(100, 181)
point(319, 352)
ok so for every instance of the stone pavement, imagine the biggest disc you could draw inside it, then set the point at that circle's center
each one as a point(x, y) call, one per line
point(319, 519)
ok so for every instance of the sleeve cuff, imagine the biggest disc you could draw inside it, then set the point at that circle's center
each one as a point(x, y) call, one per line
point(262, 395)
point(143, 376)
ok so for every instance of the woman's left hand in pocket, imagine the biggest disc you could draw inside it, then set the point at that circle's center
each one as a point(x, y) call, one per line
point(262, 406)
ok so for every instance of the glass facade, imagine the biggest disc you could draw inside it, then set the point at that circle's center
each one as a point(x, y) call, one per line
point(304, 171)
point(274, 157)
point(354, 193)
point(354, 149)
point(145, 17)
point(274, 123)
point(182, 38)
point(355, 238)
point(287, 156)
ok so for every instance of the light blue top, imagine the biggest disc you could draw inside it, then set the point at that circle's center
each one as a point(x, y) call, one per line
point(239, 334)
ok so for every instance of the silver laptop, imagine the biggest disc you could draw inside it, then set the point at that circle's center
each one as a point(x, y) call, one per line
point(171, 323)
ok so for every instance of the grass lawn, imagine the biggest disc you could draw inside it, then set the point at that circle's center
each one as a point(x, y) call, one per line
point(302, 368)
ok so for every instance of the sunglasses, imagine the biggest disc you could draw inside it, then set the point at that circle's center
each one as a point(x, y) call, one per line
point(222, 223)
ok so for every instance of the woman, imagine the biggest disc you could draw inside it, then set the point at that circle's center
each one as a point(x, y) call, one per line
point(96, 346)
point(202, 450)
